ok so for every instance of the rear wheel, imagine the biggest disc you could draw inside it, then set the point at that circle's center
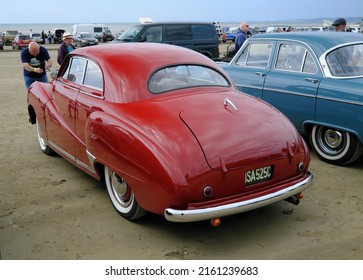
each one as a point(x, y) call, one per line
point(335, 146)
point(122, 196)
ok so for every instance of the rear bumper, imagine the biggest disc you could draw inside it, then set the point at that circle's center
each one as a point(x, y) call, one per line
point(194, 215)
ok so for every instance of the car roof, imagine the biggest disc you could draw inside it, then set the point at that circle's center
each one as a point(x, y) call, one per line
point(135, 62)
point(318, 41)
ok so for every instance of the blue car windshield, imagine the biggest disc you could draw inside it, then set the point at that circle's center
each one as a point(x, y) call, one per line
point(185, 76)
point(346, 61)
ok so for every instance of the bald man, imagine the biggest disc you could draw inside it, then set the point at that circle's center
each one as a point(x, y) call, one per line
point(241, 35)
point(36, 60)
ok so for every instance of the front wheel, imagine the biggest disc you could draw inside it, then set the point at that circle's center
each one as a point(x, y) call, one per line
point(122, 196)
point(335, 146)
point(42, 144)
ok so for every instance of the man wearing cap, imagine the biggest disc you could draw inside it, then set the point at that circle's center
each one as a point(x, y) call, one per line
point(66, 47)
point(339, 24)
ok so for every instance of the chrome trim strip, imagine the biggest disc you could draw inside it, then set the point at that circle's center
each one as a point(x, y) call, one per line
point(92, 160)
point(85, 166)
point(174, 215)
point(340, 100)
point(305, 95)
point(92, 95)
point(72, 158)
point(61, 151)
point(274, 90)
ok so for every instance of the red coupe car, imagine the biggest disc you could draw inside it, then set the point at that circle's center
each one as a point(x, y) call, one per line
point(167, 131)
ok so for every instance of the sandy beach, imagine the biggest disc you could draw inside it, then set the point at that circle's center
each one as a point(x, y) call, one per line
point(50, 210)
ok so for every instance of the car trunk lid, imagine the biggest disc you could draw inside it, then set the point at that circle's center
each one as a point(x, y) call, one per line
point(246, 128)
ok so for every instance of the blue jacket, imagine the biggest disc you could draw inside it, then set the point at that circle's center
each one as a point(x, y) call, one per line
point(240, 38)
point(63, 51)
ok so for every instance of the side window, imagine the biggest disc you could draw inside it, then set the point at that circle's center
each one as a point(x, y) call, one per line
point(178, 32)
point(75, 70)
point(309, 65)
point(203, 32)
point(153, 34)
point(255, 55)
point(293, 57)
point(93, 76)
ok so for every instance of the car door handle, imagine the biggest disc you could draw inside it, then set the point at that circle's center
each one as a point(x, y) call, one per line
point(260, 74)
point(314, 81)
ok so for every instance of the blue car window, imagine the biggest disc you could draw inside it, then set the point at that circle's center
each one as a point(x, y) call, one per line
point(346, 61)
point(290, 57)
point(309, 65)
point(255, 55)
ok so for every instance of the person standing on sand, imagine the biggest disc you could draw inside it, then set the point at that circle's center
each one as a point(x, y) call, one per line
point(66, 47)
point(241, 35)
point(36, 60)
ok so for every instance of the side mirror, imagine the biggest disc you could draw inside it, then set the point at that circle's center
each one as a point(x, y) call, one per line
point(54, 73)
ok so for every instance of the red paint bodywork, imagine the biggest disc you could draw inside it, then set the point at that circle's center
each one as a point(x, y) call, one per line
point(168, 146)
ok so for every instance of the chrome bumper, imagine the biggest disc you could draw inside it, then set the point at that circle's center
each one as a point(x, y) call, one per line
point(194, 215)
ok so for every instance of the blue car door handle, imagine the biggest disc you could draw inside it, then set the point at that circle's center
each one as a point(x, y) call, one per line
point(314, 81)
point(260, 74)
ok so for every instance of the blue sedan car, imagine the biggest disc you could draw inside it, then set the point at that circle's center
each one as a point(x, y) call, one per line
point(315, 79)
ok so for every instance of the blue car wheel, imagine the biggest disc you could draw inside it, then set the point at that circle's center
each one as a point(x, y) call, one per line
point(335, 146)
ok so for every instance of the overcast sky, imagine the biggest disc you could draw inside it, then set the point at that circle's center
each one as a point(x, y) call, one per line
point(109, 11)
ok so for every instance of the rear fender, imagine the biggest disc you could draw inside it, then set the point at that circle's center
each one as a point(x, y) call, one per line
point(308, 124)
point(137, 158)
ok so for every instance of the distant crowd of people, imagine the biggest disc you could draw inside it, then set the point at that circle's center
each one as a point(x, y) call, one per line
point(340, 25)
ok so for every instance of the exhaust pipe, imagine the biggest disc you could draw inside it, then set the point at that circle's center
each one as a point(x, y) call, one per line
point(293, 199)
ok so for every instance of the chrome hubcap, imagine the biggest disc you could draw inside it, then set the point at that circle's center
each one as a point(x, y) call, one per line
point(121, 190)
point(333, 138)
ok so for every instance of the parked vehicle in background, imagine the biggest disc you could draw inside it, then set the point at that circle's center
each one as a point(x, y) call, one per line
point(107, 36)
point(319, 28)
point(231, 34)
point(21, 41)
point(198, 36)
point(37, 37)
point(8, 36)
point(315, 79)
point(166, 130)
point(57, 35)
point(100, 31)
point(84, 39)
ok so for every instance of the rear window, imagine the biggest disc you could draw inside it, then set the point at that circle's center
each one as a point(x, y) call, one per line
point(185, 76)
point(346, 61)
